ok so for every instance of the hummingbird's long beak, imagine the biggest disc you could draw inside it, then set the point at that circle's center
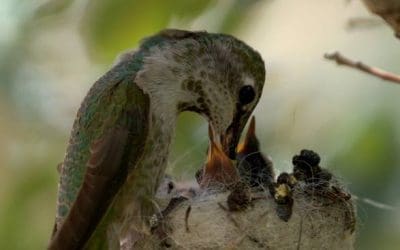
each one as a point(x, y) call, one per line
point(216, 156)
point(231, 138)
point(215, 149)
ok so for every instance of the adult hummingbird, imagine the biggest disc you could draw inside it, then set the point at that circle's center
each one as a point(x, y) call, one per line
point(120, 141)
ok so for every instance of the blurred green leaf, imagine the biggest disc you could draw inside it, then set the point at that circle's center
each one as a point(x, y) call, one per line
point(112, 26)
point(371, 160)
point(24, 215)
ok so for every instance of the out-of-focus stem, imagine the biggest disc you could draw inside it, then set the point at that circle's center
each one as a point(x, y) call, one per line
point(342, 60)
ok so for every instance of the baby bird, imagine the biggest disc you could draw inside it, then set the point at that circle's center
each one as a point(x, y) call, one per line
point(254, 168)
point(219, 172)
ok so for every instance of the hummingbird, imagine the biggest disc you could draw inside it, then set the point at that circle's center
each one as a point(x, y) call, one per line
point(120, 140)
point(254, 168)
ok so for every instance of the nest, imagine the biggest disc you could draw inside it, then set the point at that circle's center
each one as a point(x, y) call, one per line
point(241, 205)
point(311, 213)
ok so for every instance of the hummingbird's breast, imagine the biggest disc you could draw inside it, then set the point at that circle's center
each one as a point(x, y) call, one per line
point(136, 198)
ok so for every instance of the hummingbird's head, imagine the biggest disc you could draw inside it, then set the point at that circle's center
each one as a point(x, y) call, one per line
point(232, 109)
point(225, 81)
point(217, 75)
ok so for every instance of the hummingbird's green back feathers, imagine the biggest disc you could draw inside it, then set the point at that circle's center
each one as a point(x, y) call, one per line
point(107, 139)
point(102, 106)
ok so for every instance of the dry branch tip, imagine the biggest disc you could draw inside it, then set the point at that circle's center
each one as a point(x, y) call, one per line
point(382, 74)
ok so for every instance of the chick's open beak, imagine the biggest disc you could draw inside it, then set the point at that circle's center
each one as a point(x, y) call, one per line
point(216, 153)
point(216, 156)
point(219, 169)
point(250, 141)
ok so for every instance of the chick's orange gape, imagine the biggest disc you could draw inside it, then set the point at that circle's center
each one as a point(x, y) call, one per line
point(219, 171)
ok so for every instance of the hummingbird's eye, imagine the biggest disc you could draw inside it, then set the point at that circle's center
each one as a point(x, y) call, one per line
point(246, 94)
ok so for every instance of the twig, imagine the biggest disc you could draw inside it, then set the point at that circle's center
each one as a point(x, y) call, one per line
point(341, 60)
point(374, 203)
point(362, 23)
point(300, 233)
point(187, 213)
point(173, 203)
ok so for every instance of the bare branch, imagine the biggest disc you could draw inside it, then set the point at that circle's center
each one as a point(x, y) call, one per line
point(357, 23)
point(341, 60)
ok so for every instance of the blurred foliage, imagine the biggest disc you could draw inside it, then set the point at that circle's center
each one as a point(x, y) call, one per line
point(114, 26)
point(376, 145)
point(52, 51)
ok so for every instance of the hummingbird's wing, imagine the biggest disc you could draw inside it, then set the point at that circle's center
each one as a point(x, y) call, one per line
point(112, 129)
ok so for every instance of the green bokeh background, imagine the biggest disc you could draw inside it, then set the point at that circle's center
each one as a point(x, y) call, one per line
point(52, 51)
